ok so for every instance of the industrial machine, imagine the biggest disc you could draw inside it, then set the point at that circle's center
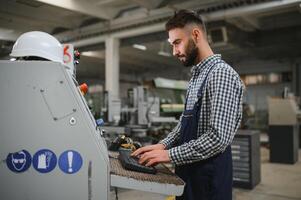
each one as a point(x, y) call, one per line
point(284, 122)
point(138, 117)
point(171, 93)
point(158, 100)
point(50, 145)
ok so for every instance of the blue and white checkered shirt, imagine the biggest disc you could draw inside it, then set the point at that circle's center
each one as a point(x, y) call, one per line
point(220, 115)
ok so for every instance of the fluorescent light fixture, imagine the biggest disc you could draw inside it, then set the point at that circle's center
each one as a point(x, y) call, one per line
point(8, 34)
point(139, 46)
point(95, 54)
point(164, 53)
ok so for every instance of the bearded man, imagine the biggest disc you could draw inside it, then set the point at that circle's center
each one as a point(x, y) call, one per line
point(200, 145)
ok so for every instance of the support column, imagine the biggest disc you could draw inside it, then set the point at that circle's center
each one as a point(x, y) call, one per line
point(112, 79)
point(112, 66)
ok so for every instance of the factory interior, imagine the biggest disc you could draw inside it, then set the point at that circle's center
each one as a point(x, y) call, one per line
point(64, 125)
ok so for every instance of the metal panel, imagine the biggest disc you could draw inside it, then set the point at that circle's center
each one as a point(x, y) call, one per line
point(26, 123)
point(246, 159)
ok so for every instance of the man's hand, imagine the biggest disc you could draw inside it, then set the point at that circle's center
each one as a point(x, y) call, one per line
point(148, 148)
point(154, 157)
point(152, 154)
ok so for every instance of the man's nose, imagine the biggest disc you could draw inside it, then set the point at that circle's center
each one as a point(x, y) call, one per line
point(175, 51)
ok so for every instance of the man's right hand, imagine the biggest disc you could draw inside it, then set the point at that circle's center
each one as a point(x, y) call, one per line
point(142, 150)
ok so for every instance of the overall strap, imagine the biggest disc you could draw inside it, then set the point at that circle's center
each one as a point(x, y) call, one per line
point(201, 90)
point(203, 83)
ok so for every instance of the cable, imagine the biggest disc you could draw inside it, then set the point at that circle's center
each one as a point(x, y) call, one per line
point(116, 193)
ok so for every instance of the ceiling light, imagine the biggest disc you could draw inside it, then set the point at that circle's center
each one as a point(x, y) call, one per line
point(164, 53)
point(139, 46)
point(95, 54)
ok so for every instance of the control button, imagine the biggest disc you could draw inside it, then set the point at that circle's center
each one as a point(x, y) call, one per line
point(100, 122)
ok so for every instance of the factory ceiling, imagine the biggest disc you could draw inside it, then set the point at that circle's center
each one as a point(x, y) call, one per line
point(238, 29)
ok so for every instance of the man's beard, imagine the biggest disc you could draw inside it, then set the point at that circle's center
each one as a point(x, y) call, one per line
point(191, 54)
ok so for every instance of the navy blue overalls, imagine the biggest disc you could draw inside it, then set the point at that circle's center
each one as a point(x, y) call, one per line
point(209, 179)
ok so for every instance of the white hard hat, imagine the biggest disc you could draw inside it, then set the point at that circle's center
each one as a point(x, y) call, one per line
point(39, 44)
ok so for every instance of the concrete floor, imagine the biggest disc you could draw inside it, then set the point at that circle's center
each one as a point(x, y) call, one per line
point(278, 182)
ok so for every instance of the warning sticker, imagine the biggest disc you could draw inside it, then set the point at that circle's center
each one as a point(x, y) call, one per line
point(44, 161)
point(70, 162)
point(19, 161)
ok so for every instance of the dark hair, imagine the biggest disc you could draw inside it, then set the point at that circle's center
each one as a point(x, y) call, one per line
point(182, 18)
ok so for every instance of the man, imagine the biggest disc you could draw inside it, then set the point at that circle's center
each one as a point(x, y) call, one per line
point(199, 145)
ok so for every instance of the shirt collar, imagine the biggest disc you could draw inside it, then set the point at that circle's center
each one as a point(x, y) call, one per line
point(205, 62)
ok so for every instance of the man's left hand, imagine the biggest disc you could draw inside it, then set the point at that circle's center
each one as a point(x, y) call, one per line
point(154, 157)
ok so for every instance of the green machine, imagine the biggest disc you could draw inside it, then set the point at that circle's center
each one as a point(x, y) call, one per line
point(172, 95)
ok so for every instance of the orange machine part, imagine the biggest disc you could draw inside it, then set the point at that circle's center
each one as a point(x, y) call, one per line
point(83, 88)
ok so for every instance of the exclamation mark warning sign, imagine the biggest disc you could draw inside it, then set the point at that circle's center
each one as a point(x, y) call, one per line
point(70, 161)
point(70, 158)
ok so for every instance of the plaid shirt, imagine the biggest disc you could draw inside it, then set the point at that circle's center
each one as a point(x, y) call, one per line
point(220, 115)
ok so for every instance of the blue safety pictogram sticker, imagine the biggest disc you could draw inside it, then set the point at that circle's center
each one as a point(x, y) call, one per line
point(70, 161)
point(19, 161)
point(44, 161)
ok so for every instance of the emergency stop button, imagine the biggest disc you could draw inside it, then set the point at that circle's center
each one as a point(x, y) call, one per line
point(83, 88)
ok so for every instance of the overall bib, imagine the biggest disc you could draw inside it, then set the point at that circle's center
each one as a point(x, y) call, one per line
point(209, 179)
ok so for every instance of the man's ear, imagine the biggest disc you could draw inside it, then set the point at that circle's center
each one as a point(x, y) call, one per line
point(196, 34)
